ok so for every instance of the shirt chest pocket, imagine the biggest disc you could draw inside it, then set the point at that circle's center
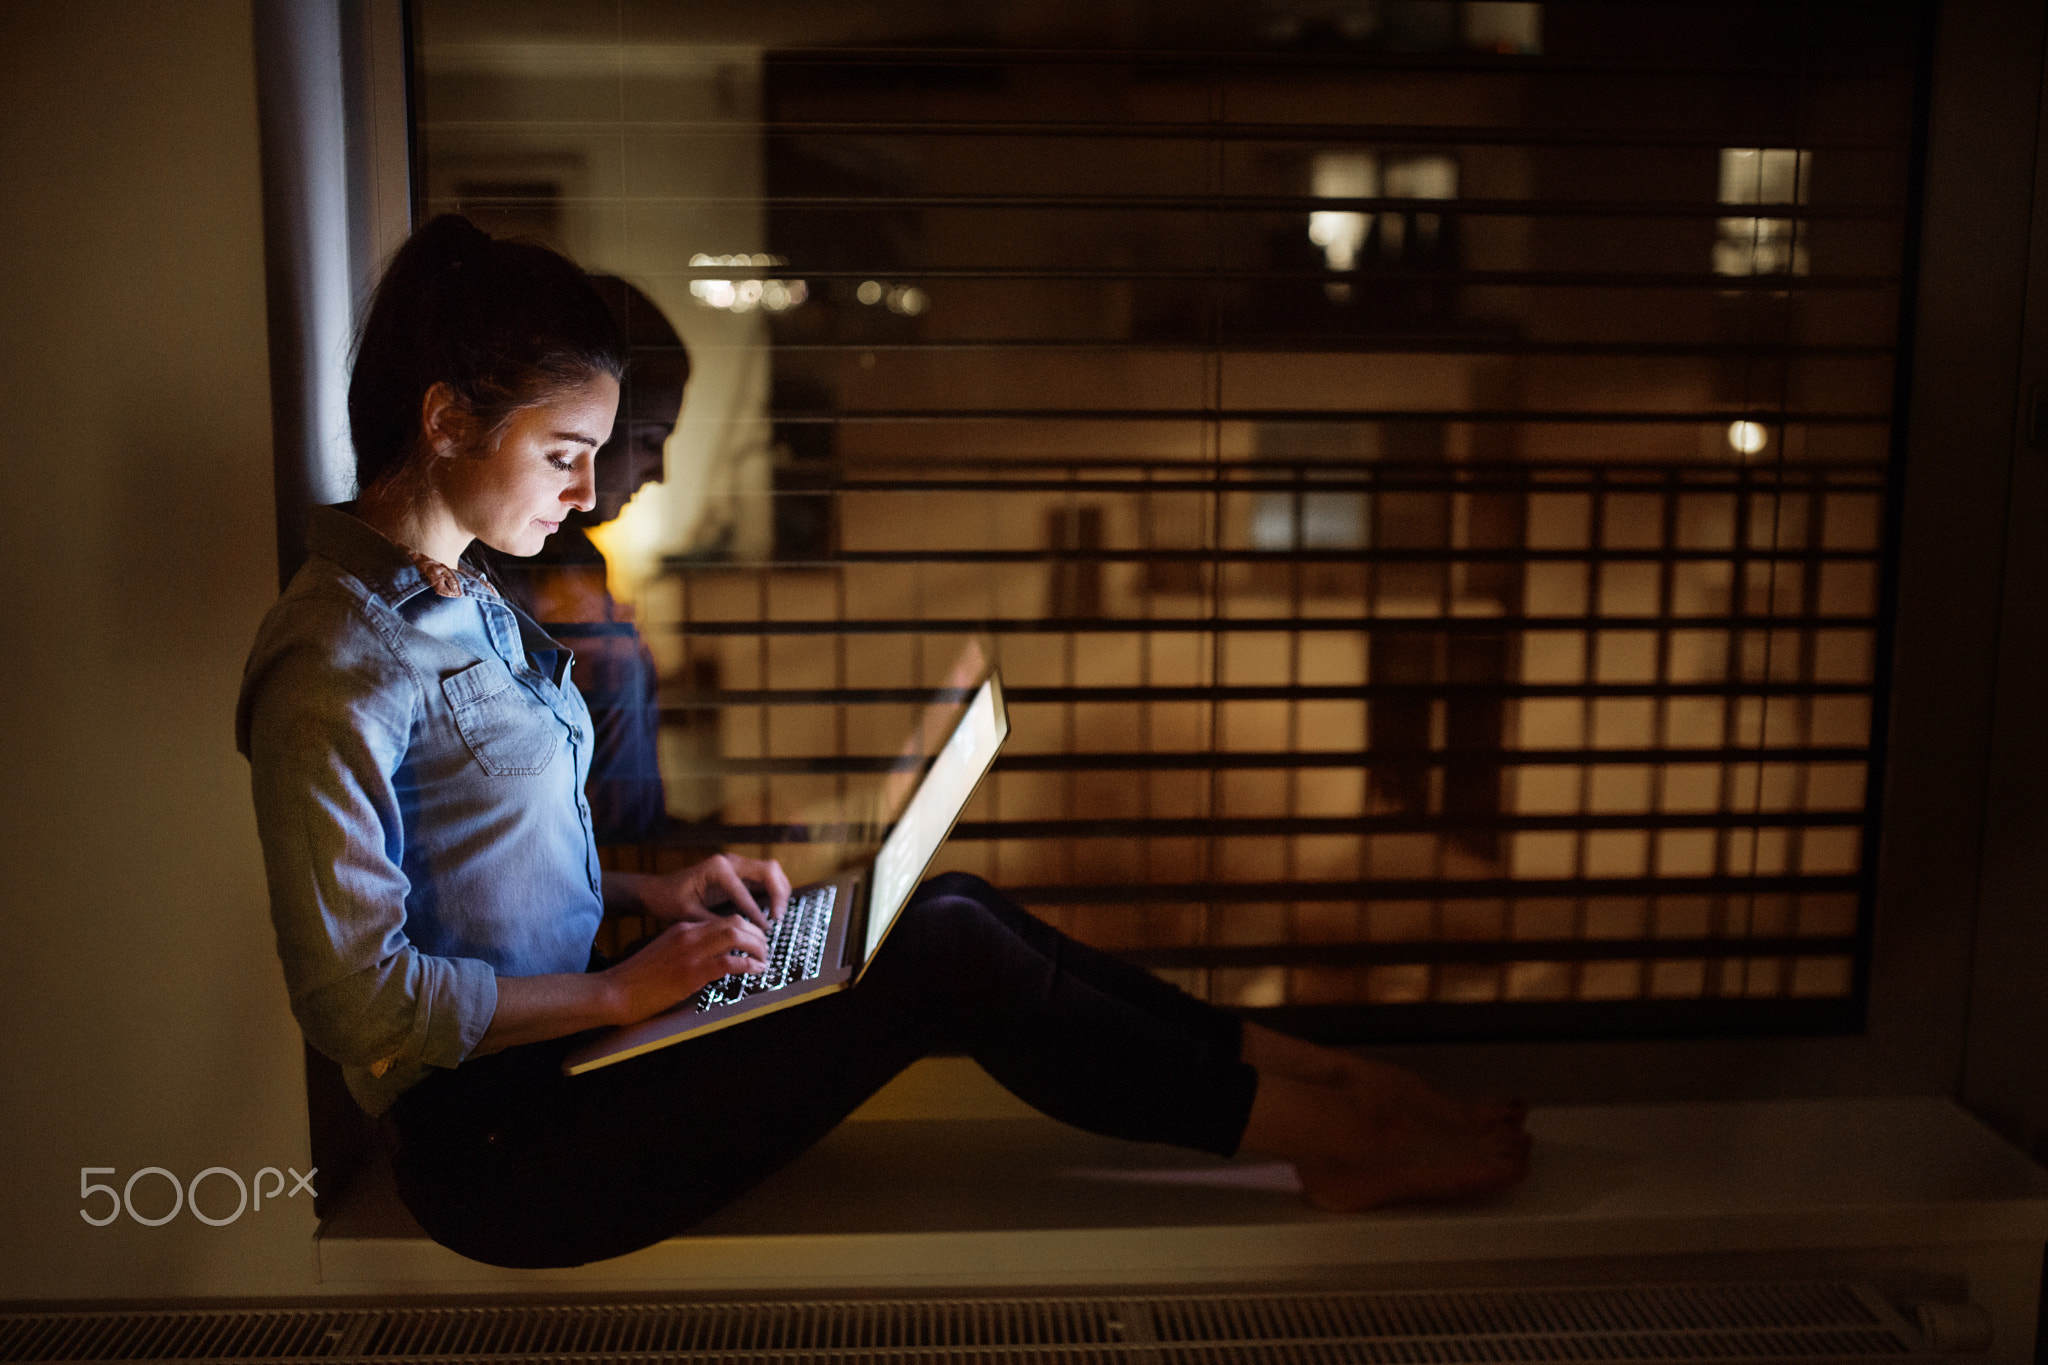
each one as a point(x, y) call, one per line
point(510, 733)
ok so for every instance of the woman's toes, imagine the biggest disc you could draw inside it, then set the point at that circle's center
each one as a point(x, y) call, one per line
point(1412, 1158)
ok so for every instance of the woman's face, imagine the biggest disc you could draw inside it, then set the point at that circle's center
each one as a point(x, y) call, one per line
point(514, 496)
point(647, 417)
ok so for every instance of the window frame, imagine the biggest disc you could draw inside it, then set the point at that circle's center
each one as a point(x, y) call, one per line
point(1955, 438)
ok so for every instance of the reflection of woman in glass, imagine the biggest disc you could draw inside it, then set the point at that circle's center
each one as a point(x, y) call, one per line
point(564, 588)
point(418, 756)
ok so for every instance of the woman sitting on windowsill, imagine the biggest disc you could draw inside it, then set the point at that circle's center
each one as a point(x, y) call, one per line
point(418, 757)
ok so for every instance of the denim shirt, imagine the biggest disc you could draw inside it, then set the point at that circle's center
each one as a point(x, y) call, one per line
point(418, 764)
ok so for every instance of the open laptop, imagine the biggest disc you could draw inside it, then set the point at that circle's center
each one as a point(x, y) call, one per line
point(814, 951)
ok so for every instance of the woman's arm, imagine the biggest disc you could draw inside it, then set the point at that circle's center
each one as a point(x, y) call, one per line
point(327, 717)
point(327, 711)
point(679, 962)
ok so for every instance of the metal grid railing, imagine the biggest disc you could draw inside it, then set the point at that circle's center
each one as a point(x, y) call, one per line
point(1639, 736)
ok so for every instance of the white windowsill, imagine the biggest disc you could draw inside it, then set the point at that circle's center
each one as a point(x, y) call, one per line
point(944, 1180)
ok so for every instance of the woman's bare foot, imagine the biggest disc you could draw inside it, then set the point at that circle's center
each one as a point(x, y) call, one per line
point(1379, 1081)
point(1370, 1081)
point(1405, 1153)
point(1363, 1133)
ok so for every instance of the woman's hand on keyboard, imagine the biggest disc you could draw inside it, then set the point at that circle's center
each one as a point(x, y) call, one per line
point(712, 889)
point(682, 960)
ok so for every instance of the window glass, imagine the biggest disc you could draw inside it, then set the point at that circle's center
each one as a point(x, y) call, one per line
point(1421, 468)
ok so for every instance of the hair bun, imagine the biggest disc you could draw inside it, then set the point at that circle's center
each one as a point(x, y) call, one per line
point(453, 239)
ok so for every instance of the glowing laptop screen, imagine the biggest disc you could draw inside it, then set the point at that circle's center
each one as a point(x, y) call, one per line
point(930, 815)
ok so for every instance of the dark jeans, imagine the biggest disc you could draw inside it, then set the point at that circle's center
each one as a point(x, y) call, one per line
point(507, 1161)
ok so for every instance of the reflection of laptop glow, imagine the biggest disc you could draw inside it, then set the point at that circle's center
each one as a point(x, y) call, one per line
point(865, 901)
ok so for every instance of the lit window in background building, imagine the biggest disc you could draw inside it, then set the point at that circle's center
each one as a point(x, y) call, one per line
point(1416, 177)
point(1510, 29)
point(1325, 521)
point(1762, 246)
point(1347, 235)
point(1340, 232)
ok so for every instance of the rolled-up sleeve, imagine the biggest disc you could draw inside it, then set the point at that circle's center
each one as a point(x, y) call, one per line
point(327, 713)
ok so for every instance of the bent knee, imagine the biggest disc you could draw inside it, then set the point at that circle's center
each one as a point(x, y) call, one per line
point(949, 928)
point(961, 884)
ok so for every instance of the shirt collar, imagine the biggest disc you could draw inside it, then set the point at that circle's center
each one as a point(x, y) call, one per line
point(379, 563)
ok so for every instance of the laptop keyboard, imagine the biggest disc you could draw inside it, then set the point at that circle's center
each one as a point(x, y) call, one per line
point(796, 950)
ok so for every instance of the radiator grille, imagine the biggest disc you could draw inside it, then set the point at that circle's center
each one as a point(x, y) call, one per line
point(1736, 1322)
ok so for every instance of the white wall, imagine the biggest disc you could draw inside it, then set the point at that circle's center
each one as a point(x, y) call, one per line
point(142, 1021)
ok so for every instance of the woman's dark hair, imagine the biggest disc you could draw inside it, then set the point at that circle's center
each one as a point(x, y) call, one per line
point(655, 355)
point(504, 324)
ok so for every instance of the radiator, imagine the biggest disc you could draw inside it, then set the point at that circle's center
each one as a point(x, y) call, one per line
point(1806, 1321)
